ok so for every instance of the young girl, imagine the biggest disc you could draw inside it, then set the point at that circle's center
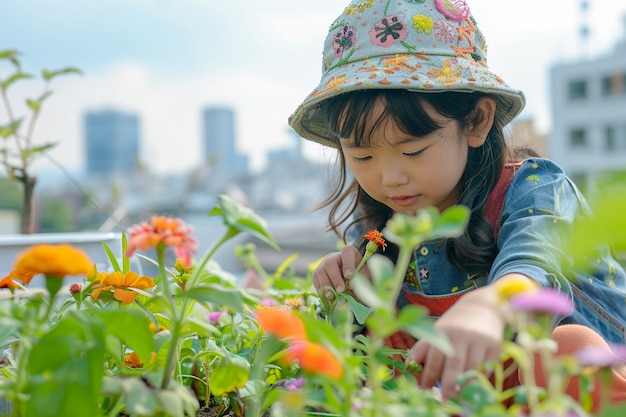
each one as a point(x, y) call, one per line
point(417, 118)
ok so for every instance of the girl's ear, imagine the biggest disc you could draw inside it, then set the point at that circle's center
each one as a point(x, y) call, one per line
point(484, 113)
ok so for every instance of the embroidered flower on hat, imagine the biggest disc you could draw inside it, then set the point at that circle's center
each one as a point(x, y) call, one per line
point(456, 10)
point(344, 39)
point(444, 31)
point(422, 23)
point(387, 31)
point(448, 74)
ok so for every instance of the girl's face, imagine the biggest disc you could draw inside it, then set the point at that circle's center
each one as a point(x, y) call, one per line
point(409, 173)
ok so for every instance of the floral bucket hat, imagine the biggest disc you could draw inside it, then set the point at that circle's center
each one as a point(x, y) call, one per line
point(416, 45)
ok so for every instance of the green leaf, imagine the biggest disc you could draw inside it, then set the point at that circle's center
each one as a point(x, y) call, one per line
point(243, 219)
point(72, 352)
point(131, 328)
point(361, 312)
point(216, 294)
point(34, 105)
point(13, 78)
point(451, 223)
point(9, 54)
point(230, 372)
point(48, 75)
point(112, 258)
point(10, 128)
point(125, 259)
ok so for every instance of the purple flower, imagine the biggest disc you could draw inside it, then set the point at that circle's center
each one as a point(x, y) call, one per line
point(602, 356)
point(294, 384)
point(546, 300)
point(215, 316)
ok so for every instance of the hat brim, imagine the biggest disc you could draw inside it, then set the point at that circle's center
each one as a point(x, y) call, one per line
point(413, 72)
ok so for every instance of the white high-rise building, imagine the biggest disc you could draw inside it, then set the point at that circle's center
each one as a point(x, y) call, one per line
point(589, 115)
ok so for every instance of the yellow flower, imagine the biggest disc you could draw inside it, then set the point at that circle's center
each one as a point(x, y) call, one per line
point(122, 285)
point(50, 260)
point(510, 286)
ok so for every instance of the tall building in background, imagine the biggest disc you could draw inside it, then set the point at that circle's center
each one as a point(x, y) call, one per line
point(112, 142)
point(589, 114)
point(219, 137)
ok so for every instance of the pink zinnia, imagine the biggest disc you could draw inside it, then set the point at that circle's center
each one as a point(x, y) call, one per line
point(602, 356)
point(545, 300)
point(172, 231)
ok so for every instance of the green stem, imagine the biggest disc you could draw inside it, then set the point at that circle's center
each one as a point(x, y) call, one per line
point(178, 315)
point(399, 272)
point(172, 352)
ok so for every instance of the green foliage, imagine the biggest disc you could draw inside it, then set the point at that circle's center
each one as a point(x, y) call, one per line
point(18, 149)
point(11, 194)
point(55, 215)
point(197, 342)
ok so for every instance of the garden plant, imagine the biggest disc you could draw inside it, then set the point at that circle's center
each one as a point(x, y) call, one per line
point(192, 341)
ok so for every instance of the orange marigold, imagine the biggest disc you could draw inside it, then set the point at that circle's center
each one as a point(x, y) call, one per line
point(132, 360)
point(172, 231)
point(314, 358)
point(376, 237)
point(49, 260)
point(7, 282)
point(121, 285)
point(283, 322)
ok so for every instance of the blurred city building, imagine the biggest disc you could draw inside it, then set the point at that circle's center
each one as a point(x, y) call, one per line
point(219, 140)
point(112, 142)
point(589, 115)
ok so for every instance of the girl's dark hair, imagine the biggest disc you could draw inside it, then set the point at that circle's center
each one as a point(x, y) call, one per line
point(350, 115)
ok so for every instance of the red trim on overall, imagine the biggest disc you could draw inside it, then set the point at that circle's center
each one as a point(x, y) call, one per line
point(436, 305)
point(495, 202)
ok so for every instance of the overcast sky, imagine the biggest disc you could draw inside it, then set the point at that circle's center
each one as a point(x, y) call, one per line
point(166, 59)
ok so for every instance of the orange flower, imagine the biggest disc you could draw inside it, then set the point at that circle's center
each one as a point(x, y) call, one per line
point(7, 282)
point(172, 231)
point(132, 360)
point(376, 237)
point(49, 260)
point(121, 284)
point(314, 358)
point(282, 322)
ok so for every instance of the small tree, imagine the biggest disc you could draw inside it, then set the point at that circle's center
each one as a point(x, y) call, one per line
point(17, 149)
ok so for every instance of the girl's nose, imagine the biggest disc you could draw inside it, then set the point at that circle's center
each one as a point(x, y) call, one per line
point(393, 176)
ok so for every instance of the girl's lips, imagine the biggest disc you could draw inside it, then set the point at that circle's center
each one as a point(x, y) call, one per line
point(405, 200)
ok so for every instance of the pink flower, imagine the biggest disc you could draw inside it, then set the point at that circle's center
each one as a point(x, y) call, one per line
point(269, 302)
point(215, 316)
point(387, 31)
point(171, 231)
point(344, 39)
point(545, 300)
point(456, 10)
point(602, 356)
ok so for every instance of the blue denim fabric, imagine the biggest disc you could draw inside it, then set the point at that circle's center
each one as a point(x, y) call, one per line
point(537, 219)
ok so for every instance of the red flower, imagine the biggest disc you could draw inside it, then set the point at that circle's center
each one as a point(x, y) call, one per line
point(172, 231)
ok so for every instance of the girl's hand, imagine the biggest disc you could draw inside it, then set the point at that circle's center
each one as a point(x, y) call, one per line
point(335, 270)
point(474, 326)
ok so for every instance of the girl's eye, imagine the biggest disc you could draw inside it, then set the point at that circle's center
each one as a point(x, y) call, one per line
point(362, 159)
point(415, 154)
